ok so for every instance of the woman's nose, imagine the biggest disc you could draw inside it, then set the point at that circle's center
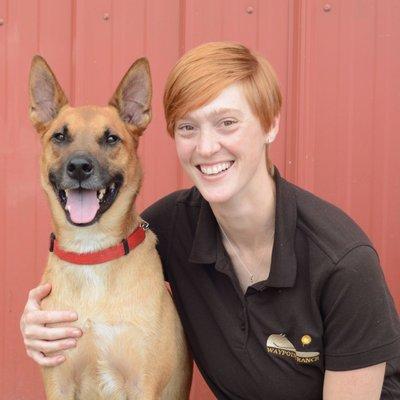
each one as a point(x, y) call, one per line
point(207, 143)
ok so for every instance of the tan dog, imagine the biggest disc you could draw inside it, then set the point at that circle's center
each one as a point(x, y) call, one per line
point(133, 345)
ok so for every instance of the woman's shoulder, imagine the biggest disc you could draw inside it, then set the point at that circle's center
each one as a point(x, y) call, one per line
point(327, 226)
point(160, 212)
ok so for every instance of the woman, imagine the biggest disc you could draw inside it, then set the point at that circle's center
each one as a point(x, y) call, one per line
point(280, 293)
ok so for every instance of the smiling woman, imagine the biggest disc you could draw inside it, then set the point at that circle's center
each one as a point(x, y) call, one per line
point(251, 257)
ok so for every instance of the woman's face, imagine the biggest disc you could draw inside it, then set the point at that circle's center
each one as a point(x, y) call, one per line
point(221, 147)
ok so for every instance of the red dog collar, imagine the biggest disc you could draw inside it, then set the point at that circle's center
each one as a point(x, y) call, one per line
point(102, 256)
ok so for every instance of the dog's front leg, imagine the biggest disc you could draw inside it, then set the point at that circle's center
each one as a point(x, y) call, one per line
point(147, 392)
point(152, 391)
point(56, 388)
point(141, 396)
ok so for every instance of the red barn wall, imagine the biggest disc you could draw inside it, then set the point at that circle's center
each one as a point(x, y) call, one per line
point(337, 62)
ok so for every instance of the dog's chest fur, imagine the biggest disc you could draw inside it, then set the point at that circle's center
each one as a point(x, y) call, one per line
point(113, 309)
point(109, 291)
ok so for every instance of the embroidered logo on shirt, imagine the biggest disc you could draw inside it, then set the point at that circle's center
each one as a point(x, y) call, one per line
point(306, 340)
point(280, 345)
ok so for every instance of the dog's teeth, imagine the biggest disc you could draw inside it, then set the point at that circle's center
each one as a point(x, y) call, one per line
point(101, 194)
point(112, 186)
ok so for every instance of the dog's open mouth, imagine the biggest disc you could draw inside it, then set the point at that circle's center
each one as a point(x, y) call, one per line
point(84, 206)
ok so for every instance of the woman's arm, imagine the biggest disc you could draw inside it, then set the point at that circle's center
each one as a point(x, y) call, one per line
point(358, 384)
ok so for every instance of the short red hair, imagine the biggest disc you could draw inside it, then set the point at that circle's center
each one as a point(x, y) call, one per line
point(203, 72)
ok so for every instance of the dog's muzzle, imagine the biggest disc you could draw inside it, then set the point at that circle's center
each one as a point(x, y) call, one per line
point(85, 189)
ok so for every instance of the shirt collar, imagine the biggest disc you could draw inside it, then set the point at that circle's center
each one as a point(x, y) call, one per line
point(283, 264)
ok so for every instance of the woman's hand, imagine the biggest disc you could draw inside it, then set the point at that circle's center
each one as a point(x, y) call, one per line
point(45, 344)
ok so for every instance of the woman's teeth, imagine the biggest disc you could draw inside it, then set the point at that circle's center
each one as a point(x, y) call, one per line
point(215, 169)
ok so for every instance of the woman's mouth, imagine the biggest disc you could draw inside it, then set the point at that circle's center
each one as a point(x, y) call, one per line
point(214, 169)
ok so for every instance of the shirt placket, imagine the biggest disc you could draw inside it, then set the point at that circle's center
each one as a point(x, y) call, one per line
point(224, 266)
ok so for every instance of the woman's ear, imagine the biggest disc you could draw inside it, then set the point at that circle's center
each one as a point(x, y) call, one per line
point(271, 135)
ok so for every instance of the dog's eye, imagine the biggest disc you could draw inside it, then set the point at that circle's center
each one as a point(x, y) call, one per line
point(112, 139)
point(59, 137)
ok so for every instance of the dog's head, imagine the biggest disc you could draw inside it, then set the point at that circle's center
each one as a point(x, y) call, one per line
point(89, 165)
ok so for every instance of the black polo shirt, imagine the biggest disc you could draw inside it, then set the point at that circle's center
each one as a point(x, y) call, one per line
point(325, 304)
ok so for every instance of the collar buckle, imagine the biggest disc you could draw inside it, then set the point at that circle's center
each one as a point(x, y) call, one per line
point(126, 246)
point(144, 225)
point(52, 239)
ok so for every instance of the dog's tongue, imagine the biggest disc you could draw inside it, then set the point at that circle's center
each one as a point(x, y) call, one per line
point(82, 205)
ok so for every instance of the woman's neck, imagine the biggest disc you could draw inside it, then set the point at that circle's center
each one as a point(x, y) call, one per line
point(248, 219)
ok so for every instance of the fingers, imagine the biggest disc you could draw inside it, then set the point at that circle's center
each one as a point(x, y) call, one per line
point(39, 293)
point(33, 332)
point(45, 361)
point(48, 347)
point(49, 317)
point(44, 343)
point(33, 323)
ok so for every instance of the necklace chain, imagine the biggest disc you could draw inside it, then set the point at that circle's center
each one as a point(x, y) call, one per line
point(236, 251)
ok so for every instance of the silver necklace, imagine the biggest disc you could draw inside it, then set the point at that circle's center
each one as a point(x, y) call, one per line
point(251, 275)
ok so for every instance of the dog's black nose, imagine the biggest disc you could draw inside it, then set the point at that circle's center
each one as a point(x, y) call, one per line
point(80, 168)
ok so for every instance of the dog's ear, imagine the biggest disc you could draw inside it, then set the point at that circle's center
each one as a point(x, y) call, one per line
point(132, 98)
point(46, 96)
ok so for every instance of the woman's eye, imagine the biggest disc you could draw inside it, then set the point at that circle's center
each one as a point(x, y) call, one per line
point(186, 128)
point(228, 122)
